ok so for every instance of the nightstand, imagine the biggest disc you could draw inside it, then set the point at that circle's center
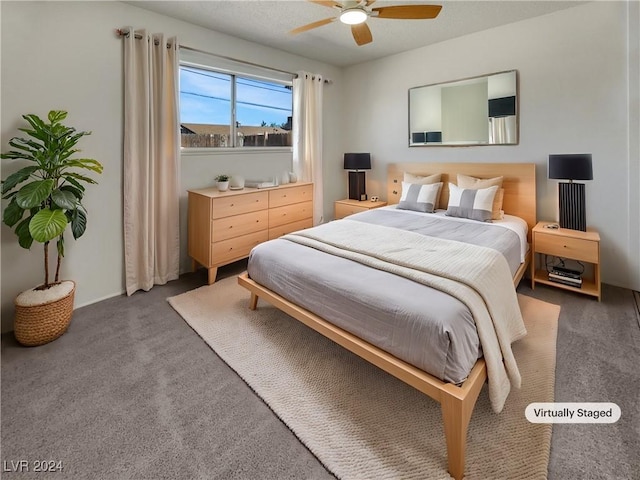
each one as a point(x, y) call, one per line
point(344, 208)
point(569, 244)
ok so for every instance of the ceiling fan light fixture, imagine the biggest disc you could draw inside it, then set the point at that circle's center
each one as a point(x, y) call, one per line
point(353, 16)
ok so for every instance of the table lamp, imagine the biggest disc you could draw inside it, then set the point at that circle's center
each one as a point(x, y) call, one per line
point(571, 196)
point(355, 162)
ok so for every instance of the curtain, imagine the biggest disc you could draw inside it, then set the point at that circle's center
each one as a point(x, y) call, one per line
point(151, 155)
point(307, 135)
point(502, 129)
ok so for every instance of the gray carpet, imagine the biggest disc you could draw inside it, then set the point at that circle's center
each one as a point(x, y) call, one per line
point(130, 391)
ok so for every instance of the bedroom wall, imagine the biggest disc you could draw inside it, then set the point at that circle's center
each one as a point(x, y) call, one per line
point(65, 55)
point(578, 93)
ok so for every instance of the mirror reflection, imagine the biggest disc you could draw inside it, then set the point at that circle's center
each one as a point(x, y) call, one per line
point(474, 111)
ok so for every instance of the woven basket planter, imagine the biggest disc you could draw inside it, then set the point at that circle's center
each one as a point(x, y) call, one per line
point(44, 322)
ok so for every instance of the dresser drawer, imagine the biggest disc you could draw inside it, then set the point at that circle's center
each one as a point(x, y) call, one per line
point(236, 204)
point(288, 195)
point(290, 213)
point(229, 227)
point(574, 248)
point(277, 232)
point(235, 248)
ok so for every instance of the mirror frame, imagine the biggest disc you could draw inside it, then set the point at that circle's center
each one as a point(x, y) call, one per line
point(469, 80)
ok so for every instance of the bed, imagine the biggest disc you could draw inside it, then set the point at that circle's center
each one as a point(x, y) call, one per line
point(454, 382)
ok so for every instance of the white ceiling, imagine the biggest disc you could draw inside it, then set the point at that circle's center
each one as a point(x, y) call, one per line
point(268, 22)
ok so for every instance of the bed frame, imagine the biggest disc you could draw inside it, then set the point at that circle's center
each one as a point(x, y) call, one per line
point(456, 402)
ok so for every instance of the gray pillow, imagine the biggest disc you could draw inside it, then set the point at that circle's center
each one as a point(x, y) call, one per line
point(420, 198)
point(475, 204)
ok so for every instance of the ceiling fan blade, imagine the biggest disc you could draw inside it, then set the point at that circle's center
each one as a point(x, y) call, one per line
point(361, 34)
point(408, 11)
point(326, 3)
point(310, 26)
point(369, 2)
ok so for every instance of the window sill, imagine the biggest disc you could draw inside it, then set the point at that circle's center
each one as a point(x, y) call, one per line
point(192, 152)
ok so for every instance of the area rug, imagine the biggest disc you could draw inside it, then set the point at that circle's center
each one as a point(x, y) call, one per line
point(360, 422)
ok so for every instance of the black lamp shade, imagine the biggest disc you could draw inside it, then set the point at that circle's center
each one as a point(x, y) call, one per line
point(574, 166)
point(357, 161)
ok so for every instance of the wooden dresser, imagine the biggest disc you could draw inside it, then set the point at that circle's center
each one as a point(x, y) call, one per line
point(225, 226)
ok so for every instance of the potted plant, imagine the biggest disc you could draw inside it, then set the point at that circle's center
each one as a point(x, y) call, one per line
point(44, 198)
point(223, 182)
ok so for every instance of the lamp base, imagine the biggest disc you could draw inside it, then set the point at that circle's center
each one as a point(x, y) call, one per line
point(357, 190)
point(573, 213)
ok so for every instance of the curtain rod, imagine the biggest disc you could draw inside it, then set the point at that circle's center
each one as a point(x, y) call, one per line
point(123, 33)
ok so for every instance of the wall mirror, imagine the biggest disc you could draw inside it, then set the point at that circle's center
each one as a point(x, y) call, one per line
point(481, 110)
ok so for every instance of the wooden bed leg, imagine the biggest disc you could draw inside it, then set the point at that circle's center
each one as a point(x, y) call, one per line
point(456, 423)
point(253, 303)
point(457, 406)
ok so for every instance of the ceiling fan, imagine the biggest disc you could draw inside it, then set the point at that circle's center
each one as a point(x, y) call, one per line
point(356, 13)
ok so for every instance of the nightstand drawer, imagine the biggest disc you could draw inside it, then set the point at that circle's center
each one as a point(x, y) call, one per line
point(566, 247)
point(342, 210)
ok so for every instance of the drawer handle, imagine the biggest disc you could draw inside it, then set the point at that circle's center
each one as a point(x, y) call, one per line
point(231, 205)
point(230, 226)
point(285, 195)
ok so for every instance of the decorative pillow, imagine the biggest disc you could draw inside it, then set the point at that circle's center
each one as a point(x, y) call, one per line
point(473, 203)
point(421, 180)
point(420, 198)
point(465, 181)
point(425, 180)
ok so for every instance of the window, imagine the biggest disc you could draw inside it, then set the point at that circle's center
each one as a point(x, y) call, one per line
point(223, 109)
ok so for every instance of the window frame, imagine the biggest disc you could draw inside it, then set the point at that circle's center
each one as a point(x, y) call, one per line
point(235, 75)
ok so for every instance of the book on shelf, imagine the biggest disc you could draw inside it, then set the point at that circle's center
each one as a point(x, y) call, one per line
point(563, 272)
point(565, 280)
point(565, 277)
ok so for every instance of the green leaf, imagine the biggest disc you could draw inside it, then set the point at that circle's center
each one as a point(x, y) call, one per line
point(13, 213)
point(18, 177)
point(79, 177)
point(78, 223)
point(56, 116)
point(34, 193)
point(87, 163)
point(47, 224)
point(75, 183)
point(64, 199)
point(75, 191)
point(24, 236)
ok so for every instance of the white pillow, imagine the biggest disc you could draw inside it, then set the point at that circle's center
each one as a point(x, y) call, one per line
point(420, 198)
point(475, 204)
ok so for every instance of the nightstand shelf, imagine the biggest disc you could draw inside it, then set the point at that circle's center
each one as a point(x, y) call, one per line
point(569, 244)
point(346, 207)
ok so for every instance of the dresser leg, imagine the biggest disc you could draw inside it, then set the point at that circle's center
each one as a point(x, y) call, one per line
point(212, 275)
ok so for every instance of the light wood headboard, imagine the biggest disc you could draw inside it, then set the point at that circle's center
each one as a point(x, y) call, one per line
point(519, 183)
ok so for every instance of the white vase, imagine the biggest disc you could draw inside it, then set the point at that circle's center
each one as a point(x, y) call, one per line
point(293, 178)
point(223, 186)
point(284, 178)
